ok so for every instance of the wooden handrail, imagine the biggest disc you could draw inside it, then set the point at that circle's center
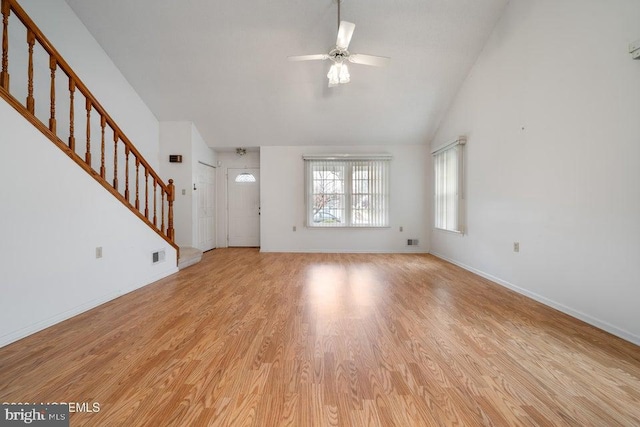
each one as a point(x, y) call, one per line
point(56, 61)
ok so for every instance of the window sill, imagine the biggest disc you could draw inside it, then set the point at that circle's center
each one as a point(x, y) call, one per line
point(459, 233)
point(348, 227)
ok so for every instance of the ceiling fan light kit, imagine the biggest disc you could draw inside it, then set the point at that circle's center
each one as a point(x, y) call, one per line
point(339, 72)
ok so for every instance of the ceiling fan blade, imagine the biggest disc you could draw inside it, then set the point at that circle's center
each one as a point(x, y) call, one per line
point(376, 61)
point(345, 32)
point(320, 56)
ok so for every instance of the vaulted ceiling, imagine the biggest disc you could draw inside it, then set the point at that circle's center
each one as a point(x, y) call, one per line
point(223, 65)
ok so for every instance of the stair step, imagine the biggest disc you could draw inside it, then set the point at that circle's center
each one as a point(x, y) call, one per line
point(188, 257)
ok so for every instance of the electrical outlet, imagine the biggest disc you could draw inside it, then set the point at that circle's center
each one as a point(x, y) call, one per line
point(401, 229)
point(184, 192)
point(294, 228)
point(516, 246)
point(99, 252)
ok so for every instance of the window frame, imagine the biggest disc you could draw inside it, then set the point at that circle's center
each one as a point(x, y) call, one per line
point(380, 163)
point(459, 199)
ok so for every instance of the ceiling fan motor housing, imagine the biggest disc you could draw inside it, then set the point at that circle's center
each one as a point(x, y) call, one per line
point(338, 55)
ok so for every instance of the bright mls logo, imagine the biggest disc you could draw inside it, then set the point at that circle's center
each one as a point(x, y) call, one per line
point(18, 414)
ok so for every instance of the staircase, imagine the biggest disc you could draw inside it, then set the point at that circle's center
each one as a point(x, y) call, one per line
point(90, 137)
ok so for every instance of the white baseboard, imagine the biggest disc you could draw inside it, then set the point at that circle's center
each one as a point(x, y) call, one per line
point(601, 324)
point(341, 251)
point(68, 314)
point(44, 324)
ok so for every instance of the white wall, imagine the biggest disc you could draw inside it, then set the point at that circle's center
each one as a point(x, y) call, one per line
point(226, 160)
point(283, 204)
point(183, 138)
point(87, 58)
point(551, 110)
point(175, 138)
point(53, 215)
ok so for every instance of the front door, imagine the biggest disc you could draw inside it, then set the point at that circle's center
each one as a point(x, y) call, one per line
point(243, 197)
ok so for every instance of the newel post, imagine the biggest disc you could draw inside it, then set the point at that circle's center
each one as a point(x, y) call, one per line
point(171, 192)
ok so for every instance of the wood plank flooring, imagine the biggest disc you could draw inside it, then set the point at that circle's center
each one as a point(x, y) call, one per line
point(251, 339)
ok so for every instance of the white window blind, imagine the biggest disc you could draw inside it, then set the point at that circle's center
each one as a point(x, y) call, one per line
point(347, 192)
point(447, 163)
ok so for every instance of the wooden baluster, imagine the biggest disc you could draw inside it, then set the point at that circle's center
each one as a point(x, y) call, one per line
point(31, 39)
point(115, 160)
point(4, 74)
point(52, 117)
point(170, 197)
point(137, 183)
point(72, 119)
point(146, 192)
point(87, 156)
point(155, 198)
point(126, 172)
point(103, 124)
point(162, 211)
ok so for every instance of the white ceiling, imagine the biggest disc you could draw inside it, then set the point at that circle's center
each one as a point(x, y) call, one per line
point(223, 65)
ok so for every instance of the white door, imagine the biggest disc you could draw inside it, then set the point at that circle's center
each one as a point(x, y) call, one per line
point(243, 198)
point(206, 188)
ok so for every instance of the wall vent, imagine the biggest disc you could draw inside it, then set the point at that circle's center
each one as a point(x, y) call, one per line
point(412, 242)
point(175, 158)
point(157, 257)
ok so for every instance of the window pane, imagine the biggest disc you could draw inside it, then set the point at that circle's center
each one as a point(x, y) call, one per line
point(360, 210)
point(347, 193)
point(447, 187)
point(245, 177)
point(327, 194)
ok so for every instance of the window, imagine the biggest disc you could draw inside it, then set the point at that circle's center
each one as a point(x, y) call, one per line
point(245, 177)
point(447, 166)
point(347, 191)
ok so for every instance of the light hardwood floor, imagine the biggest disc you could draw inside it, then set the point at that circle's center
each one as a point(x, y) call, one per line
point(245, 338)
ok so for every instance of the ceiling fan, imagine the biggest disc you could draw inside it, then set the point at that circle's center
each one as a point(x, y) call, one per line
point(339, 73)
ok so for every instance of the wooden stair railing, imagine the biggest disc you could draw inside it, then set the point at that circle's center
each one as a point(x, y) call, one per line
point(53, 130)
